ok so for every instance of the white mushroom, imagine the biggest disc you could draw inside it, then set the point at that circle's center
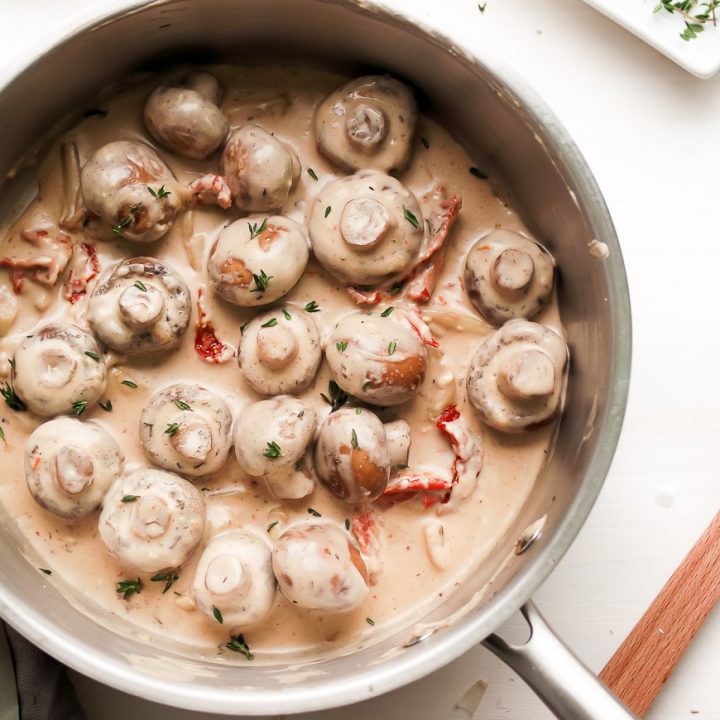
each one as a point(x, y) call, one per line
point(130, 192)
point(279, 351)
point(140, 305)
point(234, 576)
point(259, 169)
point(60, 369)
point(257, 260)
point(355, 453)
point(185, 118)
point(380, 360)
point(369, 122)
point(508, 276)
point(272, 440)
point(152, 520)
point(366, 229)
point(517, 377)
point(187, 429)
point(318, 567)
point(69, 466)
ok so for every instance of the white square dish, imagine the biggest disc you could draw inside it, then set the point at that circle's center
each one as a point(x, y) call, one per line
point(699, 56)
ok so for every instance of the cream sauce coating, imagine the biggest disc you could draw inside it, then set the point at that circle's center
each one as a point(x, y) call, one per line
point(408, 582)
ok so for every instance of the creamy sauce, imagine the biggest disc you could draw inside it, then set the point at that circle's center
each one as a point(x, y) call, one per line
point(409, 583)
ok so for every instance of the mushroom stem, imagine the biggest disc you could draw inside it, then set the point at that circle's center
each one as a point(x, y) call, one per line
point(529, 375)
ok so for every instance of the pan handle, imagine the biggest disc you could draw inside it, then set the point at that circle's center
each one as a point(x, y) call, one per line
point(559, 679)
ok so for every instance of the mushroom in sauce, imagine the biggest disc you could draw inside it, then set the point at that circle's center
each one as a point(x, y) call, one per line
point(272, 440)
point(185, 118)
point(140, 305)
point(508, 276)
point(369, 122)
point(318, 567)
point(187, 429)
point(259, 169)
point(60, 369)
point(69, 466)
point(279, 351)
point(130, 192)
point(366, 228)
point(517, 376)
point(379, 360)
point(152, 520)
point(257, 260)
point(234, 576)
point(355, 453)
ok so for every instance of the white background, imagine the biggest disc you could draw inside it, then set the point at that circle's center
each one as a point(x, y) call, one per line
point(651, 134)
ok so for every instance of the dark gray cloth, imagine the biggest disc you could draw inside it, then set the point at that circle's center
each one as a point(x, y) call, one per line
point(44, 689)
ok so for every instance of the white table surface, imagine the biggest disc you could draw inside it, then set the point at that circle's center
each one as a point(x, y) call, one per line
point(651, 134)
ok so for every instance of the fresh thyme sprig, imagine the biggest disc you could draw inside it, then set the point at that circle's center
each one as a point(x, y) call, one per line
point(126, 588)
point(168, 577)
point(11, 398)
point(256, 229)
point(337, 396)
point(261, 282)
point(695, 14)
point(237, 644)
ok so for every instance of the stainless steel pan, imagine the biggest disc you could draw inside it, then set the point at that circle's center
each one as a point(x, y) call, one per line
point(508, 128)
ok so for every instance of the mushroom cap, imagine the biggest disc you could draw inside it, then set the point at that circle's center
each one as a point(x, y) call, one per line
point(187, 429)
point(52, 369)
point(159, 528)
point(508, 276)
point(352, 457)
point(517, 377)
point(140, 305)
point(379, 360)
point(280, 252)
point(369, 122)
point(318, 567)
point(259, 169)
point(368, 236)
point(289, 424)
point(234, 575)
point(115, 182)
point(184, 120)
point(280, 357)
point(69, 466)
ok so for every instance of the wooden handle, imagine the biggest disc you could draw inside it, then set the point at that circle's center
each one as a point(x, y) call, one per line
point(644, 661)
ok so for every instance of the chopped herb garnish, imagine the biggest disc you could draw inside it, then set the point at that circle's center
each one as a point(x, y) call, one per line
point(328, 210)
point(140, 285)
point(92, 355)
point(106, 406)
point(312, 306)
point(129, 383)
point(354, 440)
point(424, 141)
point(300, 464)
point(129, 498)
point(172, 428)
point(160, 193)
point(301, 413)
point(45, 570)
point(126, 588)
point(312, 174)
point(256, 230)
point(11, 398)
point(287, 315)
point(180, 405)
point(272, 451)
point(272, 322)
point(118, 229)
point(79, 406)
point(237, 644)
point(370, 621)
point(358, 411)
point(341, 346)
point(347, 524)
point(168, 577)
point(411, 217)
point(314, 512)
point(2, 435)
point(11, 361)
point(391, 347)
point(272, 525)
point(261, 282)
point(477, 173)
point(217, 614)
point(387, 311)
point(481, 8)
point(338, 397)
